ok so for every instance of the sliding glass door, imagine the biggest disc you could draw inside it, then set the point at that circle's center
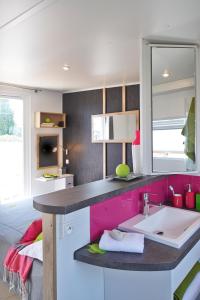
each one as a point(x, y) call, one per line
point(11, 149)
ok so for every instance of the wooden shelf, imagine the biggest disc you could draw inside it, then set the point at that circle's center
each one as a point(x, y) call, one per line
point(56, 120)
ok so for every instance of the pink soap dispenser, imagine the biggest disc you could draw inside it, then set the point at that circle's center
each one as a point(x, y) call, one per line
point(189, 198)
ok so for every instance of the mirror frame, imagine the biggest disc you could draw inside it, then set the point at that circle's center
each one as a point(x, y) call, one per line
point(130, 112)
point(146, 105)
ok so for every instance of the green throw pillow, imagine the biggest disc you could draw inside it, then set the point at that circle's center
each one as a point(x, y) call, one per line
point(39, 237)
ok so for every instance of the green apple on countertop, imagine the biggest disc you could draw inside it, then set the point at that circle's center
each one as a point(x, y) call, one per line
point(122, 170)
point(47, 120)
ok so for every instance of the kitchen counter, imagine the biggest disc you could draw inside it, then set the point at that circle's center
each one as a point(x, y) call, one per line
point(69, 200)
point(156, 256)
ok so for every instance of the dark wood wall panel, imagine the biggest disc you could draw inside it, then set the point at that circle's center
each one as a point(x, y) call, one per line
point(132, 103)
point(113, 151)
point(114, 99)
point(133, 97)
point(129, 156)
point(86, 159)
point(114, 157)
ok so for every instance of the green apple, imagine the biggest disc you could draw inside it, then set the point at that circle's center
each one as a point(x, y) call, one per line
point(47, 120)
point(122, 170)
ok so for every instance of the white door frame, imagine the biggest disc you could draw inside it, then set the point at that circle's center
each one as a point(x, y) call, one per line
point(20, 94)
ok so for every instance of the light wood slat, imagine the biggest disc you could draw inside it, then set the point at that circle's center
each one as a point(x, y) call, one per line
point(123, 98)
point(104, 160)
point(123, 110)
point(104, 144)
point(104, 100)
point(49, 260)
point(123, 153)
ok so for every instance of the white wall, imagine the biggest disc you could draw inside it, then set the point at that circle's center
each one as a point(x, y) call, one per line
point(49, 101)
point(173, 104)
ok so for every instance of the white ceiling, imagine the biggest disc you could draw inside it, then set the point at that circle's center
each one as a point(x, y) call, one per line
point(178, 62)
point(99, 39)
point(10, 9)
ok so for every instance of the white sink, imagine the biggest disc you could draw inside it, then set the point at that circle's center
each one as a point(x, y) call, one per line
point(166, 225)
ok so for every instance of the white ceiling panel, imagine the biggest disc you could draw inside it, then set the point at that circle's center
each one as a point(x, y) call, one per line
point(100, 40)
point(10, 9)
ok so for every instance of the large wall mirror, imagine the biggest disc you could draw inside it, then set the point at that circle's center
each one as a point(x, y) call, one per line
point(173, 86)
point(115, 127)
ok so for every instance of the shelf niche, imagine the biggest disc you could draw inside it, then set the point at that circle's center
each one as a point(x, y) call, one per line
point(57, 120)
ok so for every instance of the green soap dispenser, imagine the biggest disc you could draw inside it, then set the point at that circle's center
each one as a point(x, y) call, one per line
point(198, 201)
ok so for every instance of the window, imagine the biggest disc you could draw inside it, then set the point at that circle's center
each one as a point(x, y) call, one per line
point(11, 148)
point(167, 138)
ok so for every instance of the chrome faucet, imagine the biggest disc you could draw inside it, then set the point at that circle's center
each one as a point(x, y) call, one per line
point(147, 203)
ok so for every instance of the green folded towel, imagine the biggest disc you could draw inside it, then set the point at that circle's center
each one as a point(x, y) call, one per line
point(94, 249)
point(180, 291)
point(189, 132)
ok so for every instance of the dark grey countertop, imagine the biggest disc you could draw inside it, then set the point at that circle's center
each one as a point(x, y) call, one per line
point(69, 200)
point(156, 257)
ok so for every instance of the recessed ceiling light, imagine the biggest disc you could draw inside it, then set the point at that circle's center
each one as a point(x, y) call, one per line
point(66, 67)
point(165, 74)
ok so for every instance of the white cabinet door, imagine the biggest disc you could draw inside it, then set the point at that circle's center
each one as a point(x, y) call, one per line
point(133, 285)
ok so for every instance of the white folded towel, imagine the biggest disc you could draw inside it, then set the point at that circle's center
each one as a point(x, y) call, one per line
point(193, 289)
point(34, 250)
point(131, 242)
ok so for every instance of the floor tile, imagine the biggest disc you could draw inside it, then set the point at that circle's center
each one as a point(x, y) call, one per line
point(5, 294)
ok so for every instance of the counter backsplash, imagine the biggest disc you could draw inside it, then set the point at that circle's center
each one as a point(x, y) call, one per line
point(111, 212)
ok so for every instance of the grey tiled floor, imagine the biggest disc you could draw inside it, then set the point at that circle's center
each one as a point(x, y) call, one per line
point(5, 294)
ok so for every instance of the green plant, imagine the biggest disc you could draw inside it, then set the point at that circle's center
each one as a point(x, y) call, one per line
point(7, 123)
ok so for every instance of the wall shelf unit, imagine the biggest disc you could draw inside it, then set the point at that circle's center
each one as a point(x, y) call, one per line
point(50, 120)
